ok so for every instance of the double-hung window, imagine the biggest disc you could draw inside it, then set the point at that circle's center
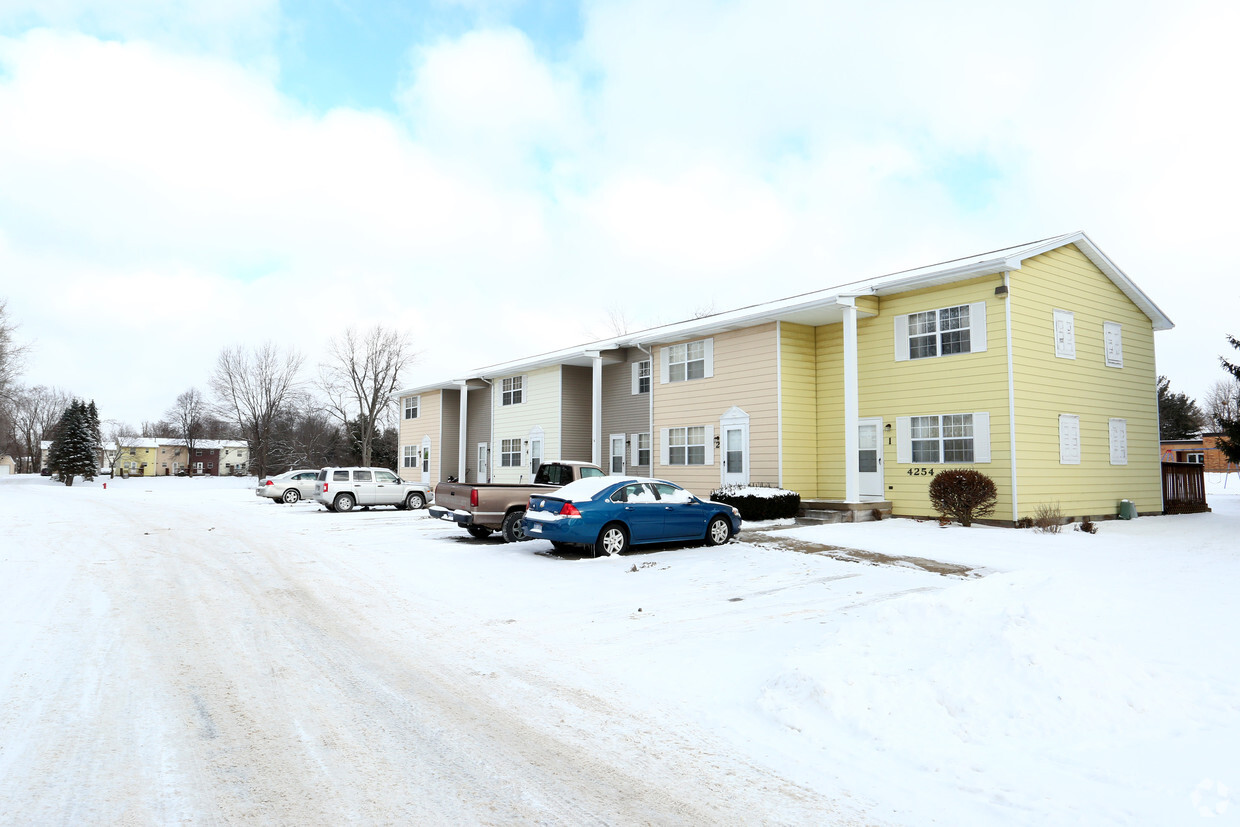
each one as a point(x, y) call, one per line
point(511, 390)
point(640, 449)
point(687, 446)
point(641, 377)
point(688, 361)
point(411, 406)
point(942, 332)
point(510, 453)
point(943, 438)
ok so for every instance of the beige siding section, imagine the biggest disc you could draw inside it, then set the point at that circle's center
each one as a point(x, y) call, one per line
point(477, 429)
point(541, 407)
point(799, 408)
point(745, 376)
point(829, 381)
point(412, 431)
point(960, 383)
point(577, 414)
point(1047, 386)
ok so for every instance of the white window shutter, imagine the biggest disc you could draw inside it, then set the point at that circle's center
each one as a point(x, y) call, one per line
point(663, 458)
point(1069, 439)
point(981, 436)
point(710, 442)
point(634, 457)
point(636, 370)
point(1119, 441)
point(1065, 334)
point(663, 368)
point(977, 327)
point(901, 338)
point(1113, 344)
point(904, 439)
point(708, 347)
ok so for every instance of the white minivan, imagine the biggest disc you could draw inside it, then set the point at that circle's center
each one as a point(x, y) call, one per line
point(343, 489)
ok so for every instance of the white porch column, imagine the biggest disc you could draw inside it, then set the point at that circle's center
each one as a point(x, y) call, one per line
point(596, 412)
point(852, 467)
point(462, 450)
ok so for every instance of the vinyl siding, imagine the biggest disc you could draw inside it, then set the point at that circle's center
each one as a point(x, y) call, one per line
point(959, 383)
point(577, 414)
point(449, 437)
point(745, 376)
point(541, 407)
point(625, 412)
point(413, 430)
point(477, 429)
point(1047, 386)
point(829, 382)
point(799, 403)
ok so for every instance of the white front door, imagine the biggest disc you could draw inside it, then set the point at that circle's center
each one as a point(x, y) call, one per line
point(616, 463)
point(482, 463)
point(870, 457)
point(426, 460)
point(735, 455)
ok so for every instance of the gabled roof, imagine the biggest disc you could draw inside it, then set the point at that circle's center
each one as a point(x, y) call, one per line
point(823, 306)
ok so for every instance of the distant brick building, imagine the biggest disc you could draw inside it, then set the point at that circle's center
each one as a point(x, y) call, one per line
point(1203, 451)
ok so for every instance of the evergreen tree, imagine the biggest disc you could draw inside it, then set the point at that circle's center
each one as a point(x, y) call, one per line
point(1178, 416)
point(75, 450)
point(1229, 441)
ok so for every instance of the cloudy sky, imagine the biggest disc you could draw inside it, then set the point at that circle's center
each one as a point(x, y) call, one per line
point(501, 178)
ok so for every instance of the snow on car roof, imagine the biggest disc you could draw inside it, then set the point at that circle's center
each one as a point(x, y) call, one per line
point(587, 488)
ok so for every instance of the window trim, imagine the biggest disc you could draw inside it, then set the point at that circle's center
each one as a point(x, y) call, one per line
point(708, 361)
point(414, 403)
point(981, 438)
point(976, 328)
point(513, 395)
point(636, 385)
point(509, 458)
point(707, 445)
point(636, 449)
point(409, 456)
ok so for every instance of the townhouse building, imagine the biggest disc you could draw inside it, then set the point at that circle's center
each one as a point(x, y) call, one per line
point(1033, 364)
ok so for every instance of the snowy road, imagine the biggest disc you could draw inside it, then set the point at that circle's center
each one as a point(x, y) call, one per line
point(171, 658)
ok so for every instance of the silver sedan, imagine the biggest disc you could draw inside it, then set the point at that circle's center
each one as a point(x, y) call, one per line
point(288, 487)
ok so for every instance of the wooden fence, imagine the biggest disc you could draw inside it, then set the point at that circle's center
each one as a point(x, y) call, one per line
point(1184, 487)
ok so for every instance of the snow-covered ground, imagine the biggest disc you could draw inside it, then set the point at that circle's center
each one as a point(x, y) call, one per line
point(177, 650)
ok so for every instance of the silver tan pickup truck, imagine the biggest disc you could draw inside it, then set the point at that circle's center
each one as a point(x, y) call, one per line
point(482, 508)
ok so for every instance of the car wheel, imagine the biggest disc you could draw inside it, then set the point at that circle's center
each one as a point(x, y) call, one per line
point(612, 540)
point(512, 530)
point(478, 531)
point(718, 532)
point(415, 501)
point(291, 496)
point(343, 502)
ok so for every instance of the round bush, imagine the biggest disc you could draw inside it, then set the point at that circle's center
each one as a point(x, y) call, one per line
point(963, 495)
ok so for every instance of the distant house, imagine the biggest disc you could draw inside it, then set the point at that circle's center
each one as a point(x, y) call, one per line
point(1204, 451)
point(1033, 364)
point(8, 465)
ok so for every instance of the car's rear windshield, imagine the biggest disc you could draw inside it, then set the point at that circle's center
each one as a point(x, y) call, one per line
point(323, 473)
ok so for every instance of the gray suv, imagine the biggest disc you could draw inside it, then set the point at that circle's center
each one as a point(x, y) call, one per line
point(343, 489)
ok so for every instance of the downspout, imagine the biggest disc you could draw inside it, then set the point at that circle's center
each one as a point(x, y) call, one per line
point(1007, 316)
point(650, 353)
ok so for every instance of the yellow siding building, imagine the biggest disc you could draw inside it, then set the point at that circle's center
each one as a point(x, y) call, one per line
point(1033, 364)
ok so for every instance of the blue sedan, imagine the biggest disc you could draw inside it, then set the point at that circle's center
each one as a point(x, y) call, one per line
point(608, 514)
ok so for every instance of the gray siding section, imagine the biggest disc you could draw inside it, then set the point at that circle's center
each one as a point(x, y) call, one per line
point(450, 435)
point(577, 392)
point(625, 412)
point(477, 429)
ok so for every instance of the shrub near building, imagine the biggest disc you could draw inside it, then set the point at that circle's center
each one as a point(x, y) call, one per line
point(756, 503)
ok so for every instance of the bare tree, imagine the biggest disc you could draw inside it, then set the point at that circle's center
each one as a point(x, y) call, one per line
point(361, 375)
point(34, 413)
point(252, 388)
point(11, 354)
point(188, 418)
point(1222, 402)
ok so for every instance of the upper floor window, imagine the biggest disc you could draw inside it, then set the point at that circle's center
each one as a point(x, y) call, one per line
point(641, 377)
point(1065, 334)
point(511, 390)
point(942, 332)
point(687, 361)
point(411, 406)
point(1112, 334)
